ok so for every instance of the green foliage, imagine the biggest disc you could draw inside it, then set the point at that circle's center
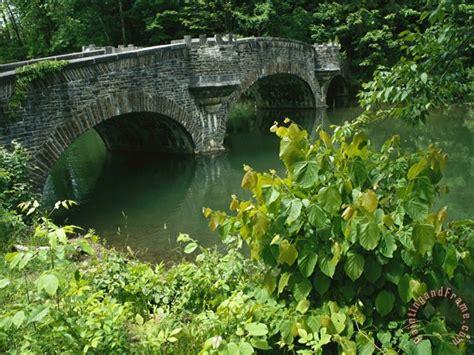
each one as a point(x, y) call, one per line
point(351, 224)
point(46, 306)
point(28, 74)
point(242, 117)
point(435, 71)
point(342, 243)
point(14, 189)
point(367, 31)
point(65, 293)
point(14, 176)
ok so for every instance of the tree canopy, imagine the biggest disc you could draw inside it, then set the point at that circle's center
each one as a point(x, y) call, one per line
point(367, 30)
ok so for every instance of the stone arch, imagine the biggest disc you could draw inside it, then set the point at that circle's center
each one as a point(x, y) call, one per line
point(302, 73)
point(275, 69)
point(339, 83)
point(105, 108)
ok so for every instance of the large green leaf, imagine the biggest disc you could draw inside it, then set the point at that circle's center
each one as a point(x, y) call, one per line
point(38, 313)
point(416, 169)
point(404, 288)
point(233, 349)
point(49, 283)
point(306, 173)
point(290, 152)
point(283, 281)
point(287, 253)
point(330, 199)
point(317, 217)
point(256, 329)
point(354, 265)
point(190, 247)
point(260, 224)
point(450, 261)
point(369, 201)
point(321, 283)
point(416, 209)
point(270, 194)
point(259, 343)
point(365, 344)
point(307, 259)
point(372, 270)
point(369, 235)
point(384, 302)
point(387, 245)
point(302, 306)
point(294, 210)
point(423, 238)
point(422, 348)
point(245, 348)
point(338, 320)
point(301, 289)
point(328, 263)
point(358, 172)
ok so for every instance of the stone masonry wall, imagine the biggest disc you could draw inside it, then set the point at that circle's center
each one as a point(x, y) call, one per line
point(194, 82)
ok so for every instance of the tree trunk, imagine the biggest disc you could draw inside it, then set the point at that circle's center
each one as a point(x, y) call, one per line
point(122, 22)
point(4, 17)
point(16, 29)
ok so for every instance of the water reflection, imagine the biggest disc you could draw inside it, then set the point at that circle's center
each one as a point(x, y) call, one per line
point(145, 200)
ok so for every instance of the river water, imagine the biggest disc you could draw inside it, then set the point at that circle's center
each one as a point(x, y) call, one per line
point(145, 201)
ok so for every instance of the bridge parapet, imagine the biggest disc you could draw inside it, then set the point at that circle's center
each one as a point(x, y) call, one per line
point(328, 57)
point(87, 51)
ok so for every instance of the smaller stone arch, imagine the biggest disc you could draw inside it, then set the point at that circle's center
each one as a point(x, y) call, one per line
point(275, 69)
point(300, 72)
point(105, 108)
point(334, 90)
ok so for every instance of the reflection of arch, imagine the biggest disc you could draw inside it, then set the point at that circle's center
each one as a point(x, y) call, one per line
point(105, 108)
point(335, 90)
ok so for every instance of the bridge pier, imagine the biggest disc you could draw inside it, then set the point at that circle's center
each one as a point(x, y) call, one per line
point(210, 92)
point(212, 133)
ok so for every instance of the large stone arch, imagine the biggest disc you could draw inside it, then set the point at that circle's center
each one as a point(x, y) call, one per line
point(102, 109)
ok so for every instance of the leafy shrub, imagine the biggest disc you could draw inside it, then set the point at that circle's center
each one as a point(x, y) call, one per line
point(14, 188)
point(340, 247)
point(14, 176)
point(351, 225)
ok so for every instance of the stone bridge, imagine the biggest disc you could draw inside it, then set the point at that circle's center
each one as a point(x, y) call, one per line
point(166, 98)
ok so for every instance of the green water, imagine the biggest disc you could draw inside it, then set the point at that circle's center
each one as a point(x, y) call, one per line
point(144, 201)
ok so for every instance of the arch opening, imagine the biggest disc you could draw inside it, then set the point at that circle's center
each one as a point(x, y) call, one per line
point(336, 94)
point(145, 132)
point(128, 137)
point(271, 98)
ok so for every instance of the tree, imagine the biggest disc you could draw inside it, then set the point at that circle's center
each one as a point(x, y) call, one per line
point(435, 71)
